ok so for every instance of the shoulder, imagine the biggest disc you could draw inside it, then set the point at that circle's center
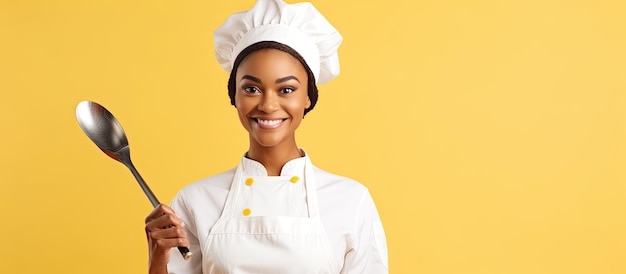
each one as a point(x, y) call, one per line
point(326, 180)
point(209, 191)
point(220, 181)
point(336, 191)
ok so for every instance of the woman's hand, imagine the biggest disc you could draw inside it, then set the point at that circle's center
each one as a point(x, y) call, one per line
point(164, 230)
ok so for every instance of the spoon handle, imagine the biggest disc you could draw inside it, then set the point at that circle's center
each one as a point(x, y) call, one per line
point(187, 255)
point(125, 159)
point(155, 202)
point(153, 199)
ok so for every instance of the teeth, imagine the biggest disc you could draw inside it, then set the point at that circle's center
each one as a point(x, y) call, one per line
point(269, 122)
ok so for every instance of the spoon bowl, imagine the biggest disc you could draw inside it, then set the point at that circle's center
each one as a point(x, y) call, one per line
point(102, 128)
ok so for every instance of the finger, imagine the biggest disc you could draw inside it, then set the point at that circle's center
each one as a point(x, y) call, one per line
point(165, 239)
point(159, 211)
point(164, 222)
point(168, 233)
point(166, 244)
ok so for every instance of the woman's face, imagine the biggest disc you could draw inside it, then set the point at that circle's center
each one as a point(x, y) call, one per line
point(271, 96)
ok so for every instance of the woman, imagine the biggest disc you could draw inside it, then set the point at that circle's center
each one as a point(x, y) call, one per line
point(275, 212)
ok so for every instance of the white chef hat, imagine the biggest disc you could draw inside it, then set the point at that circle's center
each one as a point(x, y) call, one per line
point(299, 26)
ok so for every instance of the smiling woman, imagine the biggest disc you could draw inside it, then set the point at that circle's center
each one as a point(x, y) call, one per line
point(275, 212)
point(271, 101)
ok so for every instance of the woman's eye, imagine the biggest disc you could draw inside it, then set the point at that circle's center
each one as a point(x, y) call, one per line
point(287, 90)
point(251, 90)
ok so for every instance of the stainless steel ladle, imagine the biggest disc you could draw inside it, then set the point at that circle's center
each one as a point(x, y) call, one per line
point(107, 133)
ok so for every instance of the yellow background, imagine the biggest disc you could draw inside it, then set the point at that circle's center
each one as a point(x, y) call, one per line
point(492, 134)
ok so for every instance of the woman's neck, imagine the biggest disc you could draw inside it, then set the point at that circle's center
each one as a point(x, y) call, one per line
point(273, 158)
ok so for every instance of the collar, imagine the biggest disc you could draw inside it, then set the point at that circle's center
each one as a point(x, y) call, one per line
point(294, 167)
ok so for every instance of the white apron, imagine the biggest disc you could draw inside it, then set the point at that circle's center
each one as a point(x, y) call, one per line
point(268, 244)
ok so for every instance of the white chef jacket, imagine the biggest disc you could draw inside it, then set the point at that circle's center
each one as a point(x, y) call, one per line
point(346, 210)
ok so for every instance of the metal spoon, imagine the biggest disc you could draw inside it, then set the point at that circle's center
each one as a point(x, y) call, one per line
point(107, 133)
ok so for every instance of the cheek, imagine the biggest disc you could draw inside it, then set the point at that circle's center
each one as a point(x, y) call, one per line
point(243, 109)
point(242, 104)
point(297, 107)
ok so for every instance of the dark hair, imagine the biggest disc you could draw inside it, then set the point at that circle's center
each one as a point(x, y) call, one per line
point(311, 88)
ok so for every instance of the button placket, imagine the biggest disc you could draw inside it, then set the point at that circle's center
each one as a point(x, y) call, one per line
point(247, 211)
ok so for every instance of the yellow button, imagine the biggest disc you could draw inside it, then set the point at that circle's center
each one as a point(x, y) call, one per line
point(246, 212)
point(249, 181)
point(294, 179)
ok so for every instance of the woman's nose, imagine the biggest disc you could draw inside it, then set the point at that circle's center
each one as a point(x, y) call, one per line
point(269, 102)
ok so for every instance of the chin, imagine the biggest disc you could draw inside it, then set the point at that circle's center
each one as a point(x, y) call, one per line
point(268, 143)
point(270, 140)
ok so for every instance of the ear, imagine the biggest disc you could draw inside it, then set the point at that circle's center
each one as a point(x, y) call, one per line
point(308, 103)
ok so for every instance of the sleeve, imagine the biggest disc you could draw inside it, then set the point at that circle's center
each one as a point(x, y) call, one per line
point(367, 244)
point(177, 264)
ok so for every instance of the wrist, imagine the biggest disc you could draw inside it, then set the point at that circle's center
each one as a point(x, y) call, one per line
point(161, 269)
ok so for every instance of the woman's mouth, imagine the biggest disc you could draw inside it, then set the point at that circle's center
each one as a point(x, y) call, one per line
point(269, 124)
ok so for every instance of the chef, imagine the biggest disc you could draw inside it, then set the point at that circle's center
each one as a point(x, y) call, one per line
point(275, 212)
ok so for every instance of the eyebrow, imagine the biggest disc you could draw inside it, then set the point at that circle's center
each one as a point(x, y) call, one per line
point(251, 78)
point(278, 81)
point(285, 79)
